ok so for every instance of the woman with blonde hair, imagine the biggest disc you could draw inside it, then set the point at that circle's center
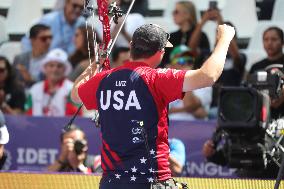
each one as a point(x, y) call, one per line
point(185, 17)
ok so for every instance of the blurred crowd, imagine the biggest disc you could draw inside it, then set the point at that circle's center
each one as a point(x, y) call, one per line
point(60, 46)
point(56, 50)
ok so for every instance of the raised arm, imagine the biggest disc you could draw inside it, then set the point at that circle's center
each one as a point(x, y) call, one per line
point(196, 35)
point(213, 66)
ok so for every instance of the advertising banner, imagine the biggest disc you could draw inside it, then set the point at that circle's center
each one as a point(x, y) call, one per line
point(35, 143)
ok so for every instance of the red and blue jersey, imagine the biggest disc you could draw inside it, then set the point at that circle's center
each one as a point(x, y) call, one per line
point(131, 99)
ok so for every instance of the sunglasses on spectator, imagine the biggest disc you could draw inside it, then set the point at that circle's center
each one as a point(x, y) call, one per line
point(77, 6)
point(45, 38)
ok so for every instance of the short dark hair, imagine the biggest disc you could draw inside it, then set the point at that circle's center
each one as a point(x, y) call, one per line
point(116, 52)
point(278, 30)
point(36, 29)
point(73, 127)
point(140, 54)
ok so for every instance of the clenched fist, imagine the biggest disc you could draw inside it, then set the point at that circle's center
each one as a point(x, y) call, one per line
point(225, 32)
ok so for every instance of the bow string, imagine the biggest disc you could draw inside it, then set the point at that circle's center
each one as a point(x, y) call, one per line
point(102, 52)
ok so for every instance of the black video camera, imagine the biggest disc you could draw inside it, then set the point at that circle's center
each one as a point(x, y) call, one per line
point(270, 83)
point(244, 117)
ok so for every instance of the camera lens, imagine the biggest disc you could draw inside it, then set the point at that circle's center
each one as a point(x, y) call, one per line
point(79, 146)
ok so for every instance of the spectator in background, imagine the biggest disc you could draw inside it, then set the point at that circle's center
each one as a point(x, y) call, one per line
point(81, 43)
point(51, 96)
point(197, 35)
point(233, 73)
point(119, 56)
point(4, 139)
point(195, 104)
point(12, 95)
point(273, 41)
point(74, 156)
point(189, 32)
point(177, 156)
point(63, 24)
point(80, 58)
point(27, 64)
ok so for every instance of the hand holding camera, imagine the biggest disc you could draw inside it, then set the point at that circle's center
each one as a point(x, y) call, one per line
point(208, 149)
point(67, 146)
point(212, 13)
point(73, 149)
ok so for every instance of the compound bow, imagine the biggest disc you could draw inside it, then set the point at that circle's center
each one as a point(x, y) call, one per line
point(103, 50)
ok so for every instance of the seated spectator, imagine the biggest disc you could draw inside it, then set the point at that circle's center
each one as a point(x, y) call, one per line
point(195, 104)
point(12, 95)
point(63, 24)
point(233, 72)
point(74, 156)
point(80, 59)
point(197, 35)
point(27, 64)
point(82, 44)
point(51, 96)
point(189, 32)
point(177, 156)
point(119, 56)
point(4, 139)
point(273, 41)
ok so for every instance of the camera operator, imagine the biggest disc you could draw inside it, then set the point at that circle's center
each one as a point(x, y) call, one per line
point(273, 41)
point(73, 156)
point(243, 143)
point(213, 154)
point(213, 150)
